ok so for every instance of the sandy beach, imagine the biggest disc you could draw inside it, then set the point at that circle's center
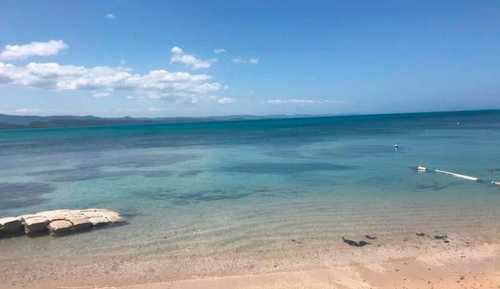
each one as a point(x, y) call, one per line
point(418, 262)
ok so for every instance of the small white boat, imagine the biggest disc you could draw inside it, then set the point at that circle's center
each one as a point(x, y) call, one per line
point(421, 169)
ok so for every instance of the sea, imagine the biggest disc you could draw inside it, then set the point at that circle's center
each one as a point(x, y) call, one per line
point(246, 187)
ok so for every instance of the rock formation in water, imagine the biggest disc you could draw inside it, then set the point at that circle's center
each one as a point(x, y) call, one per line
point(58, 222)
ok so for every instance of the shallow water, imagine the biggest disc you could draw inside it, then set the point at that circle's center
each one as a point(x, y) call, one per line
point(245, 187)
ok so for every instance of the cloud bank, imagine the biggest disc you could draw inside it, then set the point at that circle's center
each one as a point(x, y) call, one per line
point(224, 100)
point(103, 80)
point(17, 52)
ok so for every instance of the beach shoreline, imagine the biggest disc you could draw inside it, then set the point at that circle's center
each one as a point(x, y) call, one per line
point(423, 262)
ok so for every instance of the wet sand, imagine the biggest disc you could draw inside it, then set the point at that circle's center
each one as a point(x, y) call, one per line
point(412, 262)
point(340, 278)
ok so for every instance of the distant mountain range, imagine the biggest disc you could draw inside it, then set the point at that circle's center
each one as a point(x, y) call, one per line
point(62, 121)
point(18, 121)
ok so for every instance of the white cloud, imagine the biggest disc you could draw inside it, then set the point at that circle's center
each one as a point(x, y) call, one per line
point(155, 109)
point(239, 60)
point(110, 16)
point(15, 51)
point(179, 56)
point(102, 93)
point(298, 101)
point(225, 100)
point(221, 99)
point(219, 50)
point(25, 110)
point(102, 81)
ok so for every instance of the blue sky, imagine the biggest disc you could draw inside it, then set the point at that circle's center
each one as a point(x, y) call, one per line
point(197, 58)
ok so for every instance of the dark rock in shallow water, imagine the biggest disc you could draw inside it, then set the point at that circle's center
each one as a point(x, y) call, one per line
point(371, 237)
point(353, 243)
point(440, 237)
point(420, 234)
point(190, 173)
point(207, 196)
point(430, 187)
point(284, 168)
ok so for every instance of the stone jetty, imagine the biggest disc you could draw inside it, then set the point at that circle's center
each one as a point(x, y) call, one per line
point(58, 222)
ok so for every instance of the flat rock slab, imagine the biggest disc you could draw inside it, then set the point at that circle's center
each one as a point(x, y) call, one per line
point(110, 216)
point(58, 222)
point(98, 221)
point(60, 227)
point(80, 222)
point(11, 226)
point(56, 214)
point(34, 224)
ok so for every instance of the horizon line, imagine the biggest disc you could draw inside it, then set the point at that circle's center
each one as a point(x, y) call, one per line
point(263, 116)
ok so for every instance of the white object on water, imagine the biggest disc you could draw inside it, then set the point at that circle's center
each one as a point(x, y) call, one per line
point(457, 175)
point(396, 146)
point(496, 183)
point(421, 169)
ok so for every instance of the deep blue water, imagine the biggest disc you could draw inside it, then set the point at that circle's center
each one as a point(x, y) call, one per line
point(221, 186)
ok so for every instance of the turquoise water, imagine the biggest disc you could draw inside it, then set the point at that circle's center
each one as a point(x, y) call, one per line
point(250, 186)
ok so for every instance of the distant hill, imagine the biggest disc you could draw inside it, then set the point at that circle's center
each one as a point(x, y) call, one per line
point(18, 121)
point(63, 121)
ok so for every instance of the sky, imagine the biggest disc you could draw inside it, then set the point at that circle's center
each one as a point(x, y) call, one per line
point(202, 58)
